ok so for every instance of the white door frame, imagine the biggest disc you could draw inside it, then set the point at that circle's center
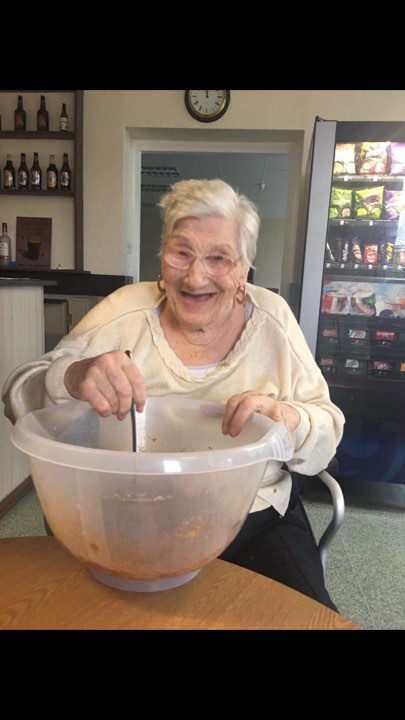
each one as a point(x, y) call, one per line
point(132, 211)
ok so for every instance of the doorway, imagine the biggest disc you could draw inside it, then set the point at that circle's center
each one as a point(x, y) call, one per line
point(263, 178)
point(265, 166)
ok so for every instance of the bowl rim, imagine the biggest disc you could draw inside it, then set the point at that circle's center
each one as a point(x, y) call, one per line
point(276, 444)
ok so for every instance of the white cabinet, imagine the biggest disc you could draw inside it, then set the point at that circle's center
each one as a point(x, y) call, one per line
point(22, 334)
point(62, 313)
point(56, 321)
point(30, 324)
point(79, 306)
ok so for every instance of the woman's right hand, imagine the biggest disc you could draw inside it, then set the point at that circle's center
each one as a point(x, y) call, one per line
point(109, 383)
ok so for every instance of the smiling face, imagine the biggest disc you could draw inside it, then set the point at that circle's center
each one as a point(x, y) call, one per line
point(197, 299)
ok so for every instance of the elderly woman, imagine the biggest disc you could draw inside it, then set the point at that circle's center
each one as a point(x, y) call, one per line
point(204, 332)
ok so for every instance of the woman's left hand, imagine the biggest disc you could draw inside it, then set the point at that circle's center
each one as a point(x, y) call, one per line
point(240, 407)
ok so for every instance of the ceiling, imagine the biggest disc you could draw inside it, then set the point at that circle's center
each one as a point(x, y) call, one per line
point(262, 178)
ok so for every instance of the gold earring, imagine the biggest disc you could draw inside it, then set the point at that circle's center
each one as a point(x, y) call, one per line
point(158, 282)
point(241, 295)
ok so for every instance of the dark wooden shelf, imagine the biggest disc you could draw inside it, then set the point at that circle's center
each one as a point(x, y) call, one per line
point(28, 271)
point(37, 135)
point(37, 193)
point(32, 91)
point(76, 137)
point(72, 282)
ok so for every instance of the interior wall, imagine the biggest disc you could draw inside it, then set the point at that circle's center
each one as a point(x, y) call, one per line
point(149, 266)
point(269, 258)
point(110, 115)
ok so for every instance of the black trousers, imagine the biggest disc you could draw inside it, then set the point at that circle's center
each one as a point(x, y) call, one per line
point(281, 548)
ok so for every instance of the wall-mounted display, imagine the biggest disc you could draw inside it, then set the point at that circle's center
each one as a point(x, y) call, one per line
point(33, 242)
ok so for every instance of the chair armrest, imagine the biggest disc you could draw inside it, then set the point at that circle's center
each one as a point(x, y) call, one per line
point(337, 518)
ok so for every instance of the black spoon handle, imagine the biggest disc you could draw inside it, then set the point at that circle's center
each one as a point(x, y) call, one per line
point(133, 421)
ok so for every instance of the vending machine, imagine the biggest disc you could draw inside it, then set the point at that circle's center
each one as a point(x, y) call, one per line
point(352, 308)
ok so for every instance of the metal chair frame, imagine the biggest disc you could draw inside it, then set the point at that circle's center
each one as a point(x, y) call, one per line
point(338, 514)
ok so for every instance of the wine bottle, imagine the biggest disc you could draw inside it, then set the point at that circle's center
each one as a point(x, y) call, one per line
point(52, 174)
point(20, 118)
point(36, 174)
point(42, 116)
point(9, 174)
point(63, 120)
point(23, 174)
point(5, 248)
point(65, 174)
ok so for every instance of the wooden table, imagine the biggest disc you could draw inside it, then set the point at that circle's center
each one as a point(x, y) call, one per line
point(43, 587)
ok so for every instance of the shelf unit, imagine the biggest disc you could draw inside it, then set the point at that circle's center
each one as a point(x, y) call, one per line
point(35, 135)
point(74, 136)
point(38, 193)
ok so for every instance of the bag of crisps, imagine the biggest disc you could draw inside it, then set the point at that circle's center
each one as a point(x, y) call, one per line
point(372, 158)
point(344, 161)
point(368, 202)
point(340, 203)
point(397, 158)
point(394, 203)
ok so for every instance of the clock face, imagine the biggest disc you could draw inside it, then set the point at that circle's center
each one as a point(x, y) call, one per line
point(207, 105)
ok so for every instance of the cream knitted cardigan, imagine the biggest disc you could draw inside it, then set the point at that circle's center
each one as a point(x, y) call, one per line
point(270, 357)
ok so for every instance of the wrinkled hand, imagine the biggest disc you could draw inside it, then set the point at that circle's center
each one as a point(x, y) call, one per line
point(240, 407)
point(109, 382)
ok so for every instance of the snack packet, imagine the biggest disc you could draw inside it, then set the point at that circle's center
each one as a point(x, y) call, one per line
point(397, 158)
point(372, 158)
point(394, 203)
point(340, 203)
point(344, 162)
point(368, 202)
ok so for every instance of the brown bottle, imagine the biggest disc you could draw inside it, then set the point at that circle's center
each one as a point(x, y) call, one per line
point(20, 118)
point(63, 119)
point(65, 174)
point(42, 116)
point(35, 174)
point(23, 175)
point(52, 175)
point(9, 174)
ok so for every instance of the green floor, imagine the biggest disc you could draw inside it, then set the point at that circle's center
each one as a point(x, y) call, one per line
point(366, 564)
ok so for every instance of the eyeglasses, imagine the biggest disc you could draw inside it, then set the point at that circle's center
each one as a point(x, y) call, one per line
point(216, 264)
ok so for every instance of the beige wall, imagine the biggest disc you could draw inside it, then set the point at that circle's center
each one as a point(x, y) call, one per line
point(109, 182)
point(269, 257)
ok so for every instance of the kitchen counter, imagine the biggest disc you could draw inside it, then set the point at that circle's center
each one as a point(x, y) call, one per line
point(7, 282)
point(71, 282)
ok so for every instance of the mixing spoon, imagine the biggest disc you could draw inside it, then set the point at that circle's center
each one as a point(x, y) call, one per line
point(133, 421)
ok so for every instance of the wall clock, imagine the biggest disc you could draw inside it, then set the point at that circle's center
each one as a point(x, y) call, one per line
point(207, 105)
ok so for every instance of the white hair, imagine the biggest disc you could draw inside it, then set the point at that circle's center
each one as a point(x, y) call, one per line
point(200, 198)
